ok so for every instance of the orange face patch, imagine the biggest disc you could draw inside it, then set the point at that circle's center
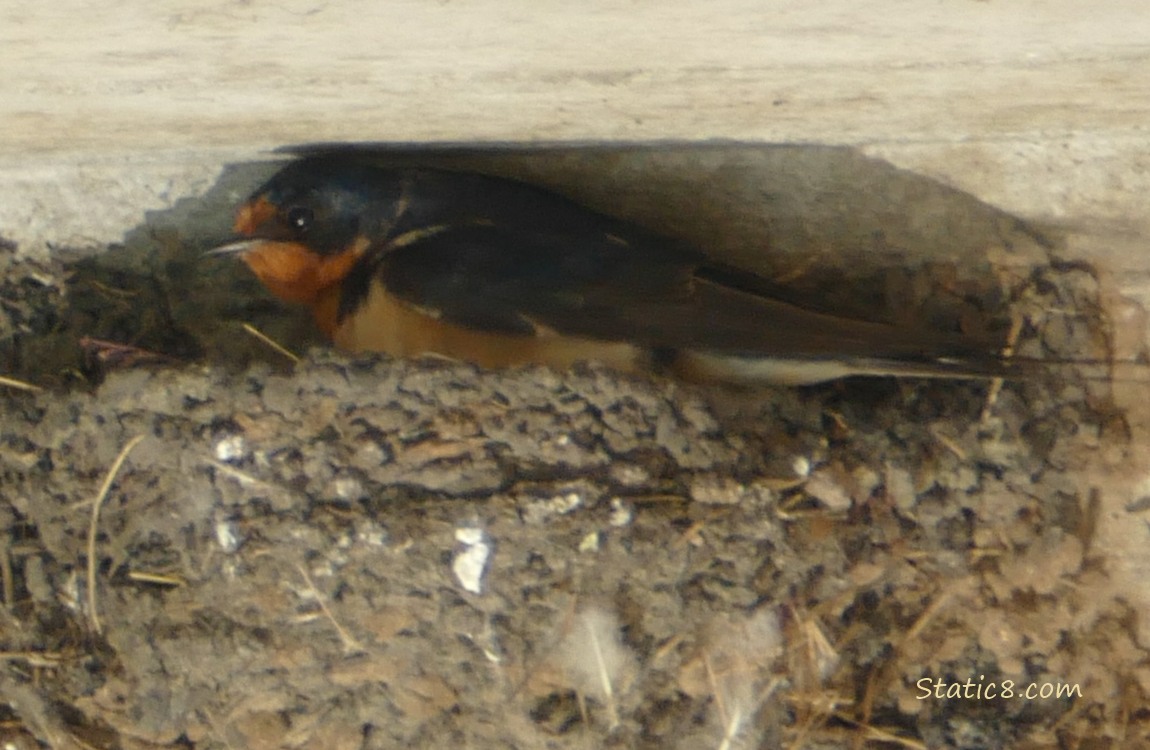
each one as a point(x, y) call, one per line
point(253, 215)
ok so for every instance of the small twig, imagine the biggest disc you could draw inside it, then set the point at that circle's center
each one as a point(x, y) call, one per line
point(731, 729)
point(19, 385)
point(720, 702)
point(950, 444)
point(114, 291)
point(113, 354)
point(927, 615)
point(7, 580)
point(275, 345)
point(350, 644)
point(45, 659)
point(584, 714)
point(99, 501)
point(880, 735)
point(1007, 352)
point(605, 680)
point(690, 535)
point(156, 578)
point(247, 480)
point(240, 476)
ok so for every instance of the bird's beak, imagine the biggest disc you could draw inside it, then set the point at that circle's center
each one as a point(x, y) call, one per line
point(239, 247)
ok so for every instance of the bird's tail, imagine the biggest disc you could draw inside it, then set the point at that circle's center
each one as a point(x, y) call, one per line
point(702, 366)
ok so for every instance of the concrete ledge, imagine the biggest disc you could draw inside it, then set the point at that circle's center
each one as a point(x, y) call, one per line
point(1038, 108)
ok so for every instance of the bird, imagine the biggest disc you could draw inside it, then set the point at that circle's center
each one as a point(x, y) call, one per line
point(420, 261)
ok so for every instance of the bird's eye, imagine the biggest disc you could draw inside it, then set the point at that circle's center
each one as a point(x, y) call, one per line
point(300, 218)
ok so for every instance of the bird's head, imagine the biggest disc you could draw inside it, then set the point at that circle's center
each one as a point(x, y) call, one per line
point(303, 230)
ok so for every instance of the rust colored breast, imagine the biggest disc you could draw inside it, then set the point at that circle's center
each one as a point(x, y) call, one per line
point(386, 324)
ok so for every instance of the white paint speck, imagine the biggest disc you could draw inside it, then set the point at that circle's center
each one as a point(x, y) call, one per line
point(231, 448)
point(348, 489)
point(226, 536)
point(539, 511)
point(70, 592)
point(470, 562)
point(469, 535)
point(567, 503)
point(371, 534)
point(621, 513)
point(801, 466)
point(590, 543)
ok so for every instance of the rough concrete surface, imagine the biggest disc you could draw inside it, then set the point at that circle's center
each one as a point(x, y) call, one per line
point(106, 109)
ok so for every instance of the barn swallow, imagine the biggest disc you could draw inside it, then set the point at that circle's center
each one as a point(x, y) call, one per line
point(501, 273)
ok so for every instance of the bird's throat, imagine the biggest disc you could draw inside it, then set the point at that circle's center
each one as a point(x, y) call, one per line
point(295, 274)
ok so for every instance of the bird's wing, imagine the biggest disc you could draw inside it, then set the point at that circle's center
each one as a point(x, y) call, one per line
point(606, 287)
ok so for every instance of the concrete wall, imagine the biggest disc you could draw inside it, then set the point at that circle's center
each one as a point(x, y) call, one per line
point(1039, 107)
